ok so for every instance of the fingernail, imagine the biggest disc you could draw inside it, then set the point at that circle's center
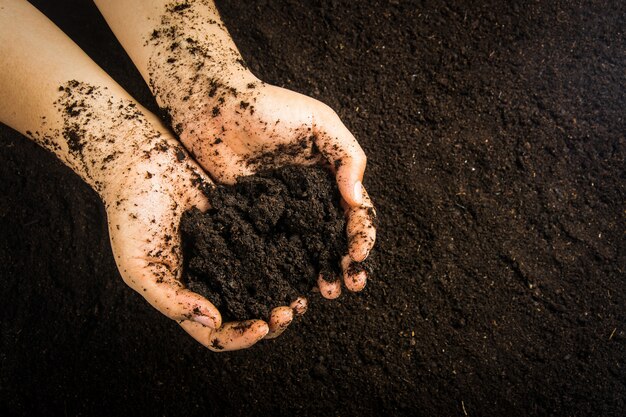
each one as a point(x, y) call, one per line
point(205, 321)
point(358, 192)
point(299, 306)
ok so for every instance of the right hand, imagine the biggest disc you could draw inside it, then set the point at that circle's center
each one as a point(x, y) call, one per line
point(264, 127)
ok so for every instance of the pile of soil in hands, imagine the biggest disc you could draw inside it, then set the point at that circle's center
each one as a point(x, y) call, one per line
point(265, 240)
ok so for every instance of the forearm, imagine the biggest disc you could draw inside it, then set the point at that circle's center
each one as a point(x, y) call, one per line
point(183, 51)
point(53, 93)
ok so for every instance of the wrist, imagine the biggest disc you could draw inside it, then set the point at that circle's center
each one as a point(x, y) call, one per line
point(192, 62)
point(100, 134)
point(135, 175)
point(200, 94)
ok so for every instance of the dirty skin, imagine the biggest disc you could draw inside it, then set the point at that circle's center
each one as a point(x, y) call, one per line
point(103, 138)
point(195, 77)
point(180, 45)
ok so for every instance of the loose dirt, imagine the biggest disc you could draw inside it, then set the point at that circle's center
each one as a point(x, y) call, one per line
point(265, 241)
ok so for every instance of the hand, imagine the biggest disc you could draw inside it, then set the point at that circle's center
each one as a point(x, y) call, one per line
point(231, 122)
point(144, 206)
point(254, 126)
point(54, 94)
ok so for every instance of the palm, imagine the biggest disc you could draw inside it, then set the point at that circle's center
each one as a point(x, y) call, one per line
point(260, 129)
point(144, 212)
point(266, 127)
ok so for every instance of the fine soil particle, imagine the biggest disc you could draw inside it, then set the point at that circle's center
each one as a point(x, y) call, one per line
point(265, 240)
point(494, 132)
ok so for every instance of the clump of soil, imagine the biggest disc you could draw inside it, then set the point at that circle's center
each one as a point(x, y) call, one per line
point(265, 240)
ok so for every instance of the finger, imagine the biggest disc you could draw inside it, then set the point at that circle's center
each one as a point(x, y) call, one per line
point(299, 306)
point(349, 177)
point(344, 153)
point(175, 301)
point(155, 277)
point(231, 336)
point(280, 318)
point(361, 229)
point(329, 289)
point(354, 277)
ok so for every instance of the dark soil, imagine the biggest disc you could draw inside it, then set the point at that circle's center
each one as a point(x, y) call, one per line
point(495, 135)
point(264, 241)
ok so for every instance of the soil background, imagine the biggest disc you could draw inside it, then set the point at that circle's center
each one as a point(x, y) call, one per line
point(495, 134)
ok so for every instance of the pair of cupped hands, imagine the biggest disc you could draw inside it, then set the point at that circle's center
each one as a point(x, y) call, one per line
point(160, 198)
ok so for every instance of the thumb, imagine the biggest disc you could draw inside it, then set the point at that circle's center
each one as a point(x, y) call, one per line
point(345, 155)
point(349, 177)
point(157, 282)
point(148, 257)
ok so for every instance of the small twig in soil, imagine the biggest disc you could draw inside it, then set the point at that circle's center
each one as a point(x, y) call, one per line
point(612, 333)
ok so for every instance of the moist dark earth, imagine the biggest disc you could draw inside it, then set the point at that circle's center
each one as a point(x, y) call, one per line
point(264, 241)
point(495, 136)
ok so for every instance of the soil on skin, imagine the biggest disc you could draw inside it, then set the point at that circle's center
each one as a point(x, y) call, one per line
point(264, 241)
point(495, 136)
